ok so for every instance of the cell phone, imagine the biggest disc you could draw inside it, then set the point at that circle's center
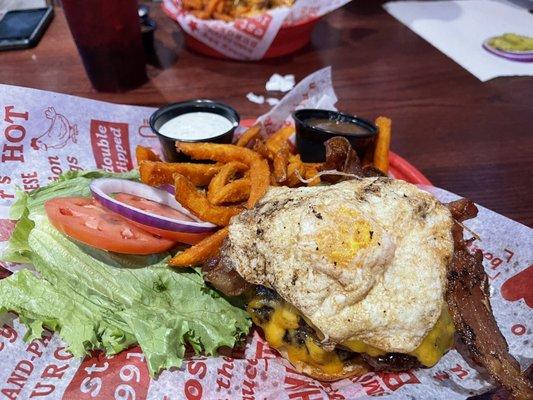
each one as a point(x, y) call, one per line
point(21, 29)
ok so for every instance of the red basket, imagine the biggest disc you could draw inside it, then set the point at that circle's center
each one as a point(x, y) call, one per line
point(289, 39)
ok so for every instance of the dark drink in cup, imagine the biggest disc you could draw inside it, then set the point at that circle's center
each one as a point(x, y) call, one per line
point(108, 36)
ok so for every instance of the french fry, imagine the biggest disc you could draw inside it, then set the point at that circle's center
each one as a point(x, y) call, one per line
point(223, 17)
point(311, 170)
point(201, 251)
point(233, 192)
point(260, 148)
point(249, 135)
point(316, 166)
point(202, 14)
point(229, 10)
point(260, 180)
point(217, 152)
point(222, 178)
point(295, 164)
point(212, 6)
point(160, 173)
point(381, 154)
point(281, 159)
point(145, 154)
point(279, 139)
point(196, 202)
point(259, 170)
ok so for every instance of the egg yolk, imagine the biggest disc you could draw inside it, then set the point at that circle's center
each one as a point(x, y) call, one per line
point(341, 240)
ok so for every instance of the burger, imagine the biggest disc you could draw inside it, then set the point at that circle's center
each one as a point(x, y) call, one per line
point(367, 274)
point(347, 277)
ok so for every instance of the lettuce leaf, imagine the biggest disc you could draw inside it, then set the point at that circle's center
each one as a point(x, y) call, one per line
point(101, 300)
point(17, 249)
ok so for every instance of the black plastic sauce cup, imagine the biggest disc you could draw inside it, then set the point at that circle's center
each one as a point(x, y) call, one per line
point(310, 139)
point(166, 113)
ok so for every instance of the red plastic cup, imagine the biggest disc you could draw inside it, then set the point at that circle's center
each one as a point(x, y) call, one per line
point(108, 36)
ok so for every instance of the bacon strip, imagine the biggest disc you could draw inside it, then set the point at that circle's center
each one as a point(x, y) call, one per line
point(392, 362)
point(468, 299)
point(462, 209)
point(221, 274)
point(340, 156)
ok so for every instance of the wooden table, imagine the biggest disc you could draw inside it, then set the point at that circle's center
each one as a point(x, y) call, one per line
point(472, 138)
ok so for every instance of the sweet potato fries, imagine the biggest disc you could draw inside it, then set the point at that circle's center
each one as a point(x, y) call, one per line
point(230, 178)
point(228, 10)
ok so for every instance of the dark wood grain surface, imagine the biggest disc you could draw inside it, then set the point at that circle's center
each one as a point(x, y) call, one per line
point(472, 138)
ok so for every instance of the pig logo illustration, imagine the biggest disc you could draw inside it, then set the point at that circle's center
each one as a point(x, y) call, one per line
point(58, 134)
point(519, 287)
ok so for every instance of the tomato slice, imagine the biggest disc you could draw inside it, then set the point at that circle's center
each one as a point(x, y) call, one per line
point(161, 209)
point(85, 220)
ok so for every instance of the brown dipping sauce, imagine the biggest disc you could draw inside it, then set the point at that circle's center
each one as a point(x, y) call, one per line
point(337, 126)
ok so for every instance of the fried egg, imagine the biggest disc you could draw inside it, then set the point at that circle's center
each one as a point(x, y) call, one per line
point(362, 260)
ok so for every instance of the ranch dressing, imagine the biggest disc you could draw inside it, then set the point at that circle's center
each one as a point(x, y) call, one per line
point(195, 126)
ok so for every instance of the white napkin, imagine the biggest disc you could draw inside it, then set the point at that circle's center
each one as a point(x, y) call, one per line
point(458, 28)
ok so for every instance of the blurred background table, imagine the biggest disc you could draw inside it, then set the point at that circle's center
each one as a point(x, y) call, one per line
point(472, 138)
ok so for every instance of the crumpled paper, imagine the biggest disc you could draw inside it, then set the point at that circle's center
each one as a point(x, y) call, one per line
point(282, 83)
point(248, 38)
point(44, 134)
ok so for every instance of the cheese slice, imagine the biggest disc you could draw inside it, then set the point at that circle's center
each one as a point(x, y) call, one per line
point(280, 322)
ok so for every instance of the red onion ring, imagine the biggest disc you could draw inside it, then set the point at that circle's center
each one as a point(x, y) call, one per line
point(168, 188)
point(102, 189)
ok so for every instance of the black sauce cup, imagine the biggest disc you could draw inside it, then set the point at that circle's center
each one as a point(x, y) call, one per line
point(310, 140)
point(166, 113)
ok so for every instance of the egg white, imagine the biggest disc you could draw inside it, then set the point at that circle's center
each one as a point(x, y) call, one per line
point(364, 259)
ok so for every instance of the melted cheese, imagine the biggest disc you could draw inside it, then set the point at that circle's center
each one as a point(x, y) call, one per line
point(358, 346)
point(284, 320)
point(437, 342)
